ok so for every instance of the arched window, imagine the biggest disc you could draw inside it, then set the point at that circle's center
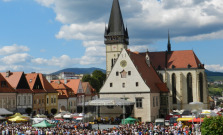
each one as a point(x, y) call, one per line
point(174, 91)
point(189, 88)
point(201, 86)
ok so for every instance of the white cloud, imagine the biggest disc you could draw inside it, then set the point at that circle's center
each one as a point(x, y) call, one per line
point(215, 67)
point(46, 3)
point(6, 50)
point(16, 58)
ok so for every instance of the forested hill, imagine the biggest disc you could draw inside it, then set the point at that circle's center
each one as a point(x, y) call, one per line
point(79, 70)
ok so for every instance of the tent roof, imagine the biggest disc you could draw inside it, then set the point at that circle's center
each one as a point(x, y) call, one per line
point(109, 102)
point(43, 124)
point(17, 118)
point(3, 111)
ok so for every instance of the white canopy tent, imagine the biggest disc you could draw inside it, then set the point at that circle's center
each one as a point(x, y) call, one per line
point(109, 102)
point(3, 111)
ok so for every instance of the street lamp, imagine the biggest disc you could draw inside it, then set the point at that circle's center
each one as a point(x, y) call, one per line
point(196, 108)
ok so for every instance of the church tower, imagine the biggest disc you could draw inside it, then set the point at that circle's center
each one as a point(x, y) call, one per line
point(116, 36)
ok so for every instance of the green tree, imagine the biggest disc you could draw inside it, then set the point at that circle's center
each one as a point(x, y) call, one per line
point(212, 126)
point(96, 80)
point(100, 76)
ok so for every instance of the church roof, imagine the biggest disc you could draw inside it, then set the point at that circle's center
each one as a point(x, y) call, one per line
point(148, 73)
point(174, 59)
point(116, 25)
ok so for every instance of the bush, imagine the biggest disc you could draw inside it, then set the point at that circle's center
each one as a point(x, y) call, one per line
point(212, 126)
point(28, 111)
point(53, 111)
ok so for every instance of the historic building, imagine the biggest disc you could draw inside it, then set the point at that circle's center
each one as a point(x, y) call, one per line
point(19, 83)
point(156, 81)
point(7, 95)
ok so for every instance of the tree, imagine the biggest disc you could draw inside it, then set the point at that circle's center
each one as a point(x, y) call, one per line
point(28, 111)
point(100, 76)
point(96, 80)
point(212, 126)
point(53, 111)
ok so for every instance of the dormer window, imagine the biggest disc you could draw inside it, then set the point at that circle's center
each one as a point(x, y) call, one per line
point(188, 66)
point(30, 80)
point(117, 73)
point(173, 66)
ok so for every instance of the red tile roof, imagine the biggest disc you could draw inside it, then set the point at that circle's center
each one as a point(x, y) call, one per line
point(13, 79)
point(60, 87)
point(178, 59)
point(8, 88)
point(85, 85)
point(31, 78)
point(148, 73)
point(46, 85)
point(73, 84)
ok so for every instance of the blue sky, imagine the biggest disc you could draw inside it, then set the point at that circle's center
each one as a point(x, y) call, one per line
point(49, 35)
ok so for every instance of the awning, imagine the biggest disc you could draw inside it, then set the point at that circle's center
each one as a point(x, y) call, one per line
point(3, 111)
point(197, 120)
point(184, 119)
point(109, 102)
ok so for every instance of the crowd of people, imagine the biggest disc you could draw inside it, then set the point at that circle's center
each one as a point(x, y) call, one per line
point(73, 128)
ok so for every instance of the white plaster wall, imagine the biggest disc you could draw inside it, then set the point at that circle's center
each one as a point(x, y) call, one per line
point(5, 98)
point(130, 81)
point(147, 113)
point(181, 86)
point(74, 105)
point(62, 102)
point(112, 51)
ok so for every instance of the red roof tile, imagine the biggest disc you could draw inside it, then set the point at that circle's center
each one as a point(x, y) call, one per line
point(46, 85)
point(178, 59)
point(13, 78)
point(148, 73)
point(73, 84)
point(87, 84)
point(32, 78)
point(60, 87)
point(8, 88)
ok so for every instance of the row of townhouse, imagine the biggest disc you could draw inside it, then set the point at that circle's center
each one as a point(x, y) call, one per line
point(73, 94)
point(19, 91)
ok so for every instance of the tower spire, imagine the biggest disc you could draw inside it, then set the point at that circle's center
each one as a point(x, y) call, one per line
point(169, 44)
point(116, 28)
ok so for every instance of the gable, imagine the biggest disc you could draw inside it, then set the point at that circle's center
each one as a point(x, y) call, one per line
point(37, 84)
point(23, 84)
point(80, 89)
point(124, 77)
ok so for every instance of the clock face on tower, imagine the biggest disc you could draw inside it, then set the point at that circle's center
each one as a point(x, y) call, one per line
point(123, 63)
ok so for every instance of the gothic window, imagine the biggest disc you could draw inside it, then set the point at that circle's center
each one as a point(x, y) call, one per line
point(189, 88)
point(201, 86)
point(110, 84)
point(161, 77)
point(112, 62)
point(138, 102)
point(123, 74)
point(174, 91)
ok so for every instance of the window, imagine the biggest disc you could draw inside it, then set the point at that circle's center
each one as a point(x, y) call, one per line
point(71, 103)
point(129, 72)
point(201, 87)
point(174, 91)
point(189, 88)
point(51, 100)
point(40, 101)
point(123, 85)
point(123, 74)
point(25, 100)
point(29, 100)
point(47, 100)
point(153, 101)
point(117, 73)
point(19, 100)
point(54, 100)
point(157, 101)
point(43, 101)
point(34, 101)
point(110, 84)
point(3, 84)
point(137, 84)
point(138, 102)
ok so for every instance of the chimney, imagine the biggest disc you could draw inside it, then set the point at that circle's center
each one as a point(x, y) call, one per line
point(7, 73)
